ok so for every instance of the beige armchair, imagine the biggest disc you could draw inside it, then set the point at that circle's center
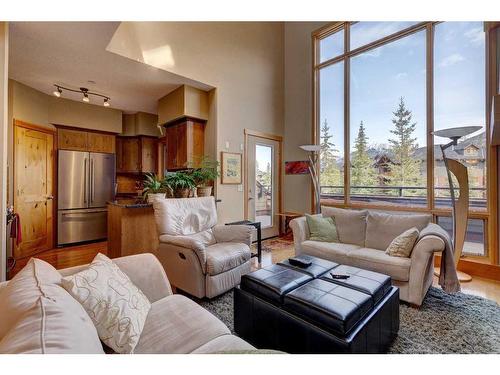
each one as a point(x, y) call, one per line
point(201, 258)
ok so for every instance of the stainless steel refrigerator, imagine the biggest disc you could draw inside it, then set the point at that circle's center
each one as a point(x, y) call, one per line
point(85, 183)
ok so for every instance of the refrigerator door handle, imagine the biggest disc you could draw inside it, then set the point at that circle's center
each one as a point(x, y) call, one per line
point(85, 190)
point(92, 181)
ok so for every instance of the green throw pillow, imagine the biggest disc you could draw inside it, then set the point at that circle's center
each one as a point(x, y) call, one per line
point(322, 229)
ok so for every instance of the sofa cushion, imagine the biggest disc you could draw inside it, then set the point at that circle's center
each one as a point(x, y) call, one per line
point(225, 256)
point(322, 229)
point(184, 216)
point(402, 245)
point(377, 260)
point(382, 228)
point(20, 307)
point(351, 224)
point(52, 327)
point(175, 324)
point(226, 343)
point(335, 252)
point(116, 306)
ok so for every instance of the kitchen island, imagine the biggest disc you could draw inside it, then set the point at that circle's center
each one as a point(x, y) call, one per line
point(131, 228)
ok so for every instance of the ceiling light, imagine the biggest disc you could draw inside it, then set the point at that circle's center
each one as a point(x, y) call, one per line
point(84, 91)
point(57, 92)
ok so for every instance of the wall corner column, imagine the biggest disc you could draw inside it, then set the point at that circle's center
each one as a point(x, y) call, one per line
point(4, 79)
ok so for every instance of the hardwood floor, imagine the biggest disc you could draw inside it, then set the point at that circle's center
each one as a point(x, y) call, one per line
point(66, 256)
point(281, 249)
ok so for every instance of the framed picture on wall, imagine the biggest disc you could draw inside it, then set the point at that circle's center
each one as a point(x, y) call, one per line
point(297, 167)
point(231, 168)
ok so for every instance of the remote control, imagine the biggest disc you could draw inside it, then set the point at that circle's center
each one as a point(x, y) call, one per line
point(299, 262)
point(339, 277)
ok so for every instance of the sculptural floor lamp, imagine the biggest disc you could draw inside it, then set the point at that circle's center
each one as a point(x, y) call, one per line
point(460, 206)
point(313, 160)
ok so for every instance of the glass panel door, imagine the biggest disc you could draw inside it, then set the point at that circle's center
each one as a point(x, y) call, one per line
point(263, 159)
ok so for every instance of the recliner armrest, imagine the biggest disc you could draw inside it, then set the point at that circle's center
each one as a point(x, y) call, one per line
point(187, 243)
point(233, 233)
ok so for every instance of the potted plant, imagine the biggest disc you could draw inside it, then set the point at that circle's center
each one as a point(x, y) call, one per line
point(153, 188)
point(180, 182)
point(204, 175)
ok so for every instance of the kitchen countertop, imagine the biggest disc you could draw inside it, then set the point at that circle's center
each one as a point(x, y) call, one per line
point(130, 203)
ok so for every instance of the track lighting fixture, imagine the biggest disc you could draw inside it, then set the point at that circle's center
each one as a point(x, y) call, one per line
point(58, 91)
point(83, 90)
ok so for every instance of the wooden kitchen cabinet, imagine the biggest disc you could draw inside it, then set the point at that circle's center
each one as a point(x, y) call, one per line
point(81, 140)
point(184, 141)
point(137, 154)
point(149, 154)
point(69, 139)
point(100, 142)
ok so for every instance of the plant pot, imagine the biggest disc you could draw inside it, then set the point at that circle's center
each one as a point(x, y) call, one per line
point(153, 196)
point(204, 191)
point(182, 193)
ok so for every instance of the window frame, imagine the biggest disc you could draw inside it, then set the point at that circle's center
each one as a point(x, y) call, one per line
point(488, 214)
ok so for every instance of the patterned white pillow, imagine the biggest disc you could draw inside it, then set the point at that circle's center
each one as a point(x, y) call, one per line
point(402, 245)
point(116, 306)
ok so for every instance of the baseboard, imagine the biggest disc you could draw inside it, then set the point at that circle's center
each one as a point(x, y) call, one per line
point(474, 268)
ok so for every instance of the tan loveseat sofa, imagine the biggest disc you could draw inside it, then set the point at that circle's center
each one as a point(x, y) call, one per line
point(175, 324)
point(365, 235)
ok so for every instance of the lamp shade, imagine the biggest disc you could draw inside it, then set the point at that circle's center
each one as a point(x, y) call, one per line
point(456, 133)
point(311, 148)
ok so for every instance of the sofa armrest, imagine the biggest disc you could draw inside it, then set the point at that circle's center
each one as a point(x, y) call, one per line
point(188, 243)
point(147, 273)
point(233, 233)
point(422, 267)
point(300, 231)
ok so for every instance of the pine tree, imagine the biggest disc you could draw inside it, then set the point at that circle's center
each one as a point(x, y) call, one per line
point(362, 171)
point(330, 174)
point(406, 169)
point(327, 153)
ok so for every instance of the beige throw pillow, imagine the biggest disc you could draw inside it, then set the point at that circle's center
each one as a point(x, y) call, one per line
point(38, 316)
point(402, 245)
point(116, 306)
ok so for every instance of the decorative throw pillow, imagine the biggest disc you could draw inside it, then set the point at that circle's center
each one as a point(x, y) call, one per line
point(322, 229)
point(116, 306)
point(402, 245)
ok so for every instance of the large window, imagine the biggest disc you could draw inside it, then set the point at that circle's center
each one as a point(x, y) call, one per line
point(375, 116)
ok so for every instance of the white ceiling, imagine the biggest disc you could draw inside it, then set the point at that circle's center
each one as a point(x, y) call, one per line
point(70, 54)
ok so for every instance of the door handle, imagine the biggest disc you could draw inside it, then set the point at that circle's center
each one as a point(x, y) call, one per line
point(85, 189)
point(92, 178)
point(250, 198)
point(50, 197)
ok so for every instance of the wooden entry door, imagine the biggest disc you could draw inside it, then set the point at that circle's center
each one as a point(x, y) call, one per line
point(34, 157)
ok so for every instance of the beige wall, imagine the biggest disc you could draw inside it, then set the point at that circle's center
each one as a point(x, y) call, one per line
point(146, 124)
point(140, 123)
point(244, 61)
point(82, 115)
point(183, 101)
point(298, 109)
point(4, 63)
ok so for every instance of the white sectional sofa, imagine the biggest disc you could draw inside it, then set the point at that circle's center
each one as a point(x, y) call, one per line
point(365, 235)
point(175, 324)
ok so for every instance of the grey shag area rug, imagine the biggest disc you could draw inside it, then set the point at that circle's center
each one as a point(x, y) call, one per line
point(445, 323)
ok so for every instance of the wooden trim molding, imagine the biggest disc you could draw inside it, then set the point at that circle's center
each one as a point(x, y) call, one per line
point(39, 128)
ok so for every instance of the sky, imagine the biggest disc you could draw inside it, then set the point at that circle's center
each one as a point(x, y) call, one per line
point(379, 77)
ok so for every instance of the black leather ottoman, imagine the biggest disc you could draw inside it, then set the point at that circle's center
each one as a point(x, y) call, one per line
point(318, 266)
point(276, 308)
